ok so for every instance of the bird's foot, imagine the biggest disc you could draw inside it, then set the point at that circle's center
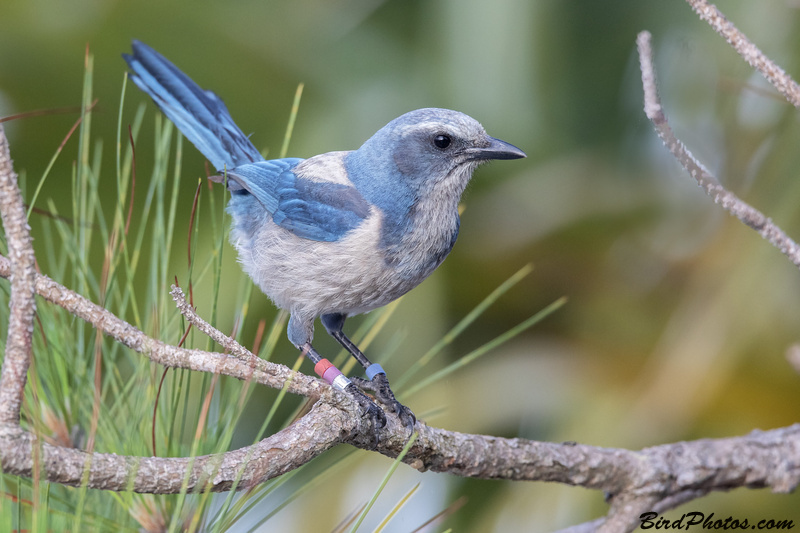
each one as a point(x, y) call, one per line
point(368, 409)
point(379, 386)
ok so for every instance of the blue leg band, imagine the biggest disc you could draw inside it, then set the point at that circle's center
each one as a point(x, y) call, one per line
point(373, 370)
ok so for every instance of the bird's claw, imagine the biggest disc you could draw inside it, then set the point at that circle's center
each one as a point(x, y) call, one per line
point(379, 386)
point(368, 410)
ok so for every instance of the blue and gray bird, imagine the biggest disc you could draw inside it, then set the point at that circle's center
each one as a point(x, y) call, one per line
point(340, 233)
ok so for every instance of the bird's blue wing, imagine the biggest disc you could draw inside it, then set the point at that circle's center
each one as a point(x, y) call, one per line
point(315, 210)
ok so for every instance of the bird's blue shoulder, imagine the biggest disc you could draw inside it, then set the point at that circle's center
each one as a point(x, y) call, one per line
point(315, 207)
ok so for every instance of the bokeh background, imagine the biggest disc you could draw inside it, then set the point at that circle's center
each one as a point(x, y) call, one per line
point(678, 317)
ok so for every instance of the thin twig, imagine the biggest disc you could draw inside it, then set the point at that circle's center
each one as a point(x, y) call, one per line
point(729, 201)
point(41, 112)
point(229, 344)
point(749, 51)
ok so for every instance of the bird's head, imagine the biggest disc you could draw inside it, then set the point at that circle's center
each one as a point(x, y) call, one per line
point(425, 157)
point(430, 146)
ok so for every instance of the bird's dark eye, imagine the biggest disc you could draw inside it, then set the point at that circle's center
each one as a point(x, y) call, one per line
point(441, 141)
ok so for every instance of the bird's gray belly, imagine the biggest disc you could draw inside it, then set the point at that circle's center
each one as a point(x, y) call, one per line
point(349, 276)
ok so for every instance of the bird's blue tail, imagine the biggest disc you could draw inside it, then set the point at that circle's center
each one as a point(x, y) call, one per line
point(200, 115)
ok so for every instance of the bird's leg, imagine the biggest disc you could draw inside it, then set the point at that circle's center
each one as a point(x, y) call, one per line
point(376, 381)
point(332, 375)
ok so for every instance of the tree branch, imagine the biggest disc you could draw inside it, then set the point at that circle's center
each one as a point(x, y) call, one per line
point(290, 448)
point(22, 304)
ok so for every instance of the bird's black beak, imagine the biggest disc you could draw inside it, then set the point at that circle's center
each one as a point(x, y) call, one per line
point(498, 149)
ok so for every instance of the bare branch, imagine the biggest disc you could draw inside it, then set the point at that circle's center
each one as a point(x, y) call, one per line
point(282, 452)
point(23, 305)
point(760, 459)
point(231, 346)
point(664, 477)
point(729, 201)
point(749, 51)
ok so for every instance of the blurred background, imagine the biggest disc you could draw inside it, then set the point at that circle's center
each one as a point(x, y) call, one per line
point(678, 317)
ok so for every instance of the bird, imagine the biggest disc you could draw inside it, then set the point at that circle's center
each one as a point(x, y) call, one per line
point(340, 233)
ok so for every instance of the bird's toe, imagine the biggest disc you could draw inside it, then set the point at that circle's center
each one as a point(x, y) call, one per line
point(369, 410)
point(379, 386)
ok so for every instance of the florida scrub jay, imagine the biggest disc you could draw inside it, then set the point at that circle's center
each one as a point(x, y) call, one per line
point(340, 233)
